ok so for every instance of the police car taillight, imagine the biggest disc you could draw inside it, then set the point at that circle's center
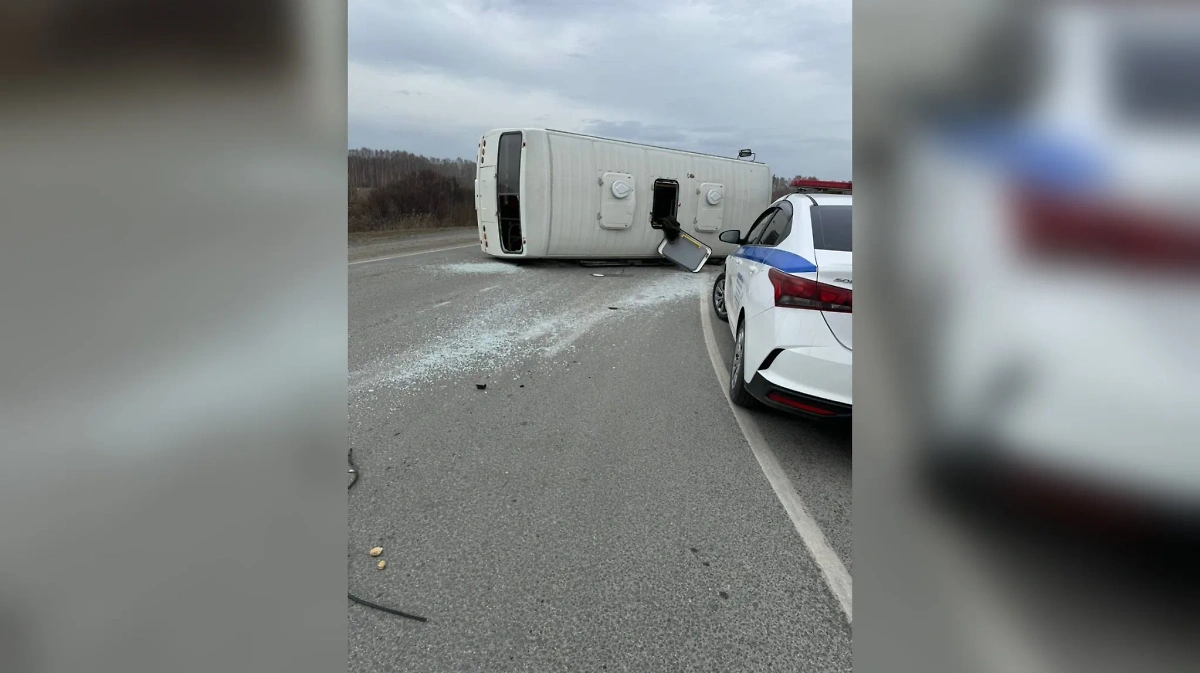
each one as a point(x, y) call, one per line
point(1050, 225)
point(793, 292)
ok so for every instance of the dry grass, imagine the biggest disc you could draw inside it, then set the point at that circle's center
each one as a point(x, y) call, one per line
point(412, 223)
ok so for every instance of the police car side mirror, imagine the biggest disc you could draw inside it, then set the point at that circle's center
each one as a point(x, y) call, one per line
point(731, 236)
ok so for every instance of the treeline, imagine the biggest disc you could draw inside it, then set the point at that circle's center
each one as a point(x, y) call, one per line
point(394, 189)
point(376, 168)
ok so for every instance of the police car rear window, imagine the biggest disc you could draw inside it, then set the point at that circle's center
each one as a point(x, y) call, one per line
point(831, 227)
point(1156, 77)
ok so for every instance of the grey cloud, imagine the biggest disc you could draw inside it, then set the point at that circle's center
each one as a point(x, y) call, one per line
point(452, 142)
point(708, 87)
point(634, 131)
point(543, 9)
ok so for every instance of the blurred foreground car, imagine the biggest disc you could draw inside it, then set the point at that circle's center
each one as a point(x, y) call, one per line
point(787, 295)
point(1051, 260)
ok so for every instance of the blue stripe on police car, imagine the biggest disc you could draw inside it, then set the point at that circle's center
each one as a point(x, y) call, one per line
point(788, 262)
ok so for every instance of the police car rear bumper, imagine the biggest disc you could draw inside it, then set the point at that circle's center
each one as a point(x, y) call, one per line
point(823, 372)
point(785, 399)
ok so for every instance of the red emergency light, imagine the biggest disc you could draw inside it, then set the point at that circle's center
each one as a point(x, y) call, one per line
point(823, 185)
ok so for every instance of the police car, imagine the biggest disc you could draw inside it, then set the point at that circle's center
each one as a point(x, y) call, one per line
point(787, 295)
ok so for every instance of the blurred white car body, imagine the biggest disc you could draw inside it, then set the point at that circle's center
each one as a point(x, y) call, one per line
point(1055, 254)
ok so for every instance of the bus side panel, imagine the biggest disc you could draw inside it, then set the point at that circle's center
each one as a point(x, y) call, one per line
point(574, 168)
point(535, 193)
point(578, 165)
point(639, 240)
point(747, 194)
point(574, 196)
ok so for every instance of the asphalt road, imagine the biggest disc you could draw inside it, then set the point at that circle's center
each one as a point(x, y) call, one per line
point(596, 507)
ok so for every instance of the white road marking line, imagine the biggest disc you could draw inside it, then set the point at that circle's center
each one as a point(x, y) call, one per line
point(410, 254)
point(837, 578)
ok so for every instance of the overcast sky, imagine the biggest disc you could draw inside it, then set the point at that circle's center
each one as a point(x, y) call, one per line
point(431, 77)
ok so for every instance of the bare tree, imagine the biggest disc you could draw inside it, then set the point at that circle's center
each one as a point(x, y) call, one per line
point(391, 189)
point(367, 168)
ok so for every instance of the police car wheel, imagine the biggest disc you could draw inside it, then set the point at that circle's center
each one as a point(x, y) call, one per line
point(737, 379)
point(718, 298)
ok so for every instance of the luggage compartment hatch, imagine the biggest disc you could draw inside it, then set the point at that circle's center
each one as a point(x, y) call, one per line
point(618, 199)
point(710, 206)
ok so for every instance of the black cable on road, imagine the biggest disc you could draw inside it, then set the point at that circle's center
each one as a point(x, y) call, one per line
point(384, 608)
point(356, 599)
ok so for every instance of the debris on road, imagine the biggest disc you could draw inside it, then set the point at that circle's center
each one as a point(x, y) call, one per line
point(376, 551)
point(481, 386)
point(598, 275)
point(612, 308)
point(382, 564)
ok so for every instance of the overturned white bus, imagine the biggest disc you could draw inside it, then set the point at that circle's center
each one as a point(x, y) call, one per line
point(545, 193)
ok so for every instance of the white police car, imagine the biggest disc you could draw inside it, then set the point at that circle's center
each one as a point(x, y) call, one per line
point(787, 295)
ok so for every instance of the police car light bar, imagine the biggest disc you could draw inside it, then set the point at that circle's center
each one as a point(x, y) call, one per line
point(822, 185)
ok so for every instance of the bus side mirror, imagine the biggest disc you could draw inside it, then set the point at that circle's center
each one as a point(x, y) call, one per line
point(731, 236)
